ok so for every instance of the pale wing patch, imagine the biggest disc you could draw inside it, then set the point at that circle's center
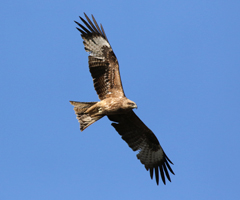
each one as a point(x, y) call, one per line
point(95, 46)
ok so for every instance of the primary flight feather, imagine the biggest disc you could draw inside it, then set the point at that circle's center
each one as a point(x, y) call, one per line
point(104, 68)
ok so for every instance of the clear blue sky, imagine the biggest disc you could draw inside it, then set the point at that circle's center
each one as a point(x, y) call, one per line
point(179, 61)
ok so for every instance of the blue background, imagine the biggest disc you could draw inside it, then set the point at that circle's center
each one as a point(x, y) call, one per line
point(179, 61)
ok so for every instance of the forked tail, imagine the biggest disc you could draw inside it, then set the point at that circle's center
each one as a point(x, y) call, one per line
point(84, 118)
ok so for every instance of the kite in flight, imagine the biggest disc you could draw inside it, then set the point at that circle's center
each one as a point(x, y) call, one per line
point(104, 68)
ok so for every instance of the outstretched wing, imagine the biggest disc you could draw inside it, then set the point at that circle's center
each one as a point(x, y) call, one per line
point(102, 61)
point(139, 137)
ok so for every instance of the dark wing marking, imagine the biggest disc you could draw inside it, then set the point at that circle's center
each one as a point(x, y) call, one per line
point(139, 137)
point(102, 61)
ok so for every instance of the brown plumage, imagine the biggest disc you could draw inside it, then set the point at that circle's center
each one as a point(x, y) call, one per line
point(104, 68)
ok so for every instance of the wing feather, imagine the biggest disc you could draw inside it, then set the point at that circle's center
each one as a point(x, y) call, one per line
point(96, 24)
point(151, 173)
point(166, 172)
point(161, 172)
point(103, 63)
point(91, 28)
point(139, 137)
point(103, 31)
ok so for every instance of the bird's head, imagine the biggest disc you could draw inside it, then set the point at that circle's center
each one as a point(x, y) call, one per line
point(128, 104)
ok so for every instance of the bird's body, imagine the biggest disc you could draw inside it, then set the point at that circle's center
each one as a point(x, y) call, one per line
point(113, 106)
point(93, 111)
point(104, 68)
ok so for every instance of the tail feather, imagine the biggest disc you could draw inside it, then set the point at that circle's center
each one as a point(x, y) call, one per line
point(85, 119)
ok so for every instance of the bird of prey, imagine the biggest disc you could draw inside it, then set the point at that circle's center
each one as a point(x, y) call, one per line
point(104, 68)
